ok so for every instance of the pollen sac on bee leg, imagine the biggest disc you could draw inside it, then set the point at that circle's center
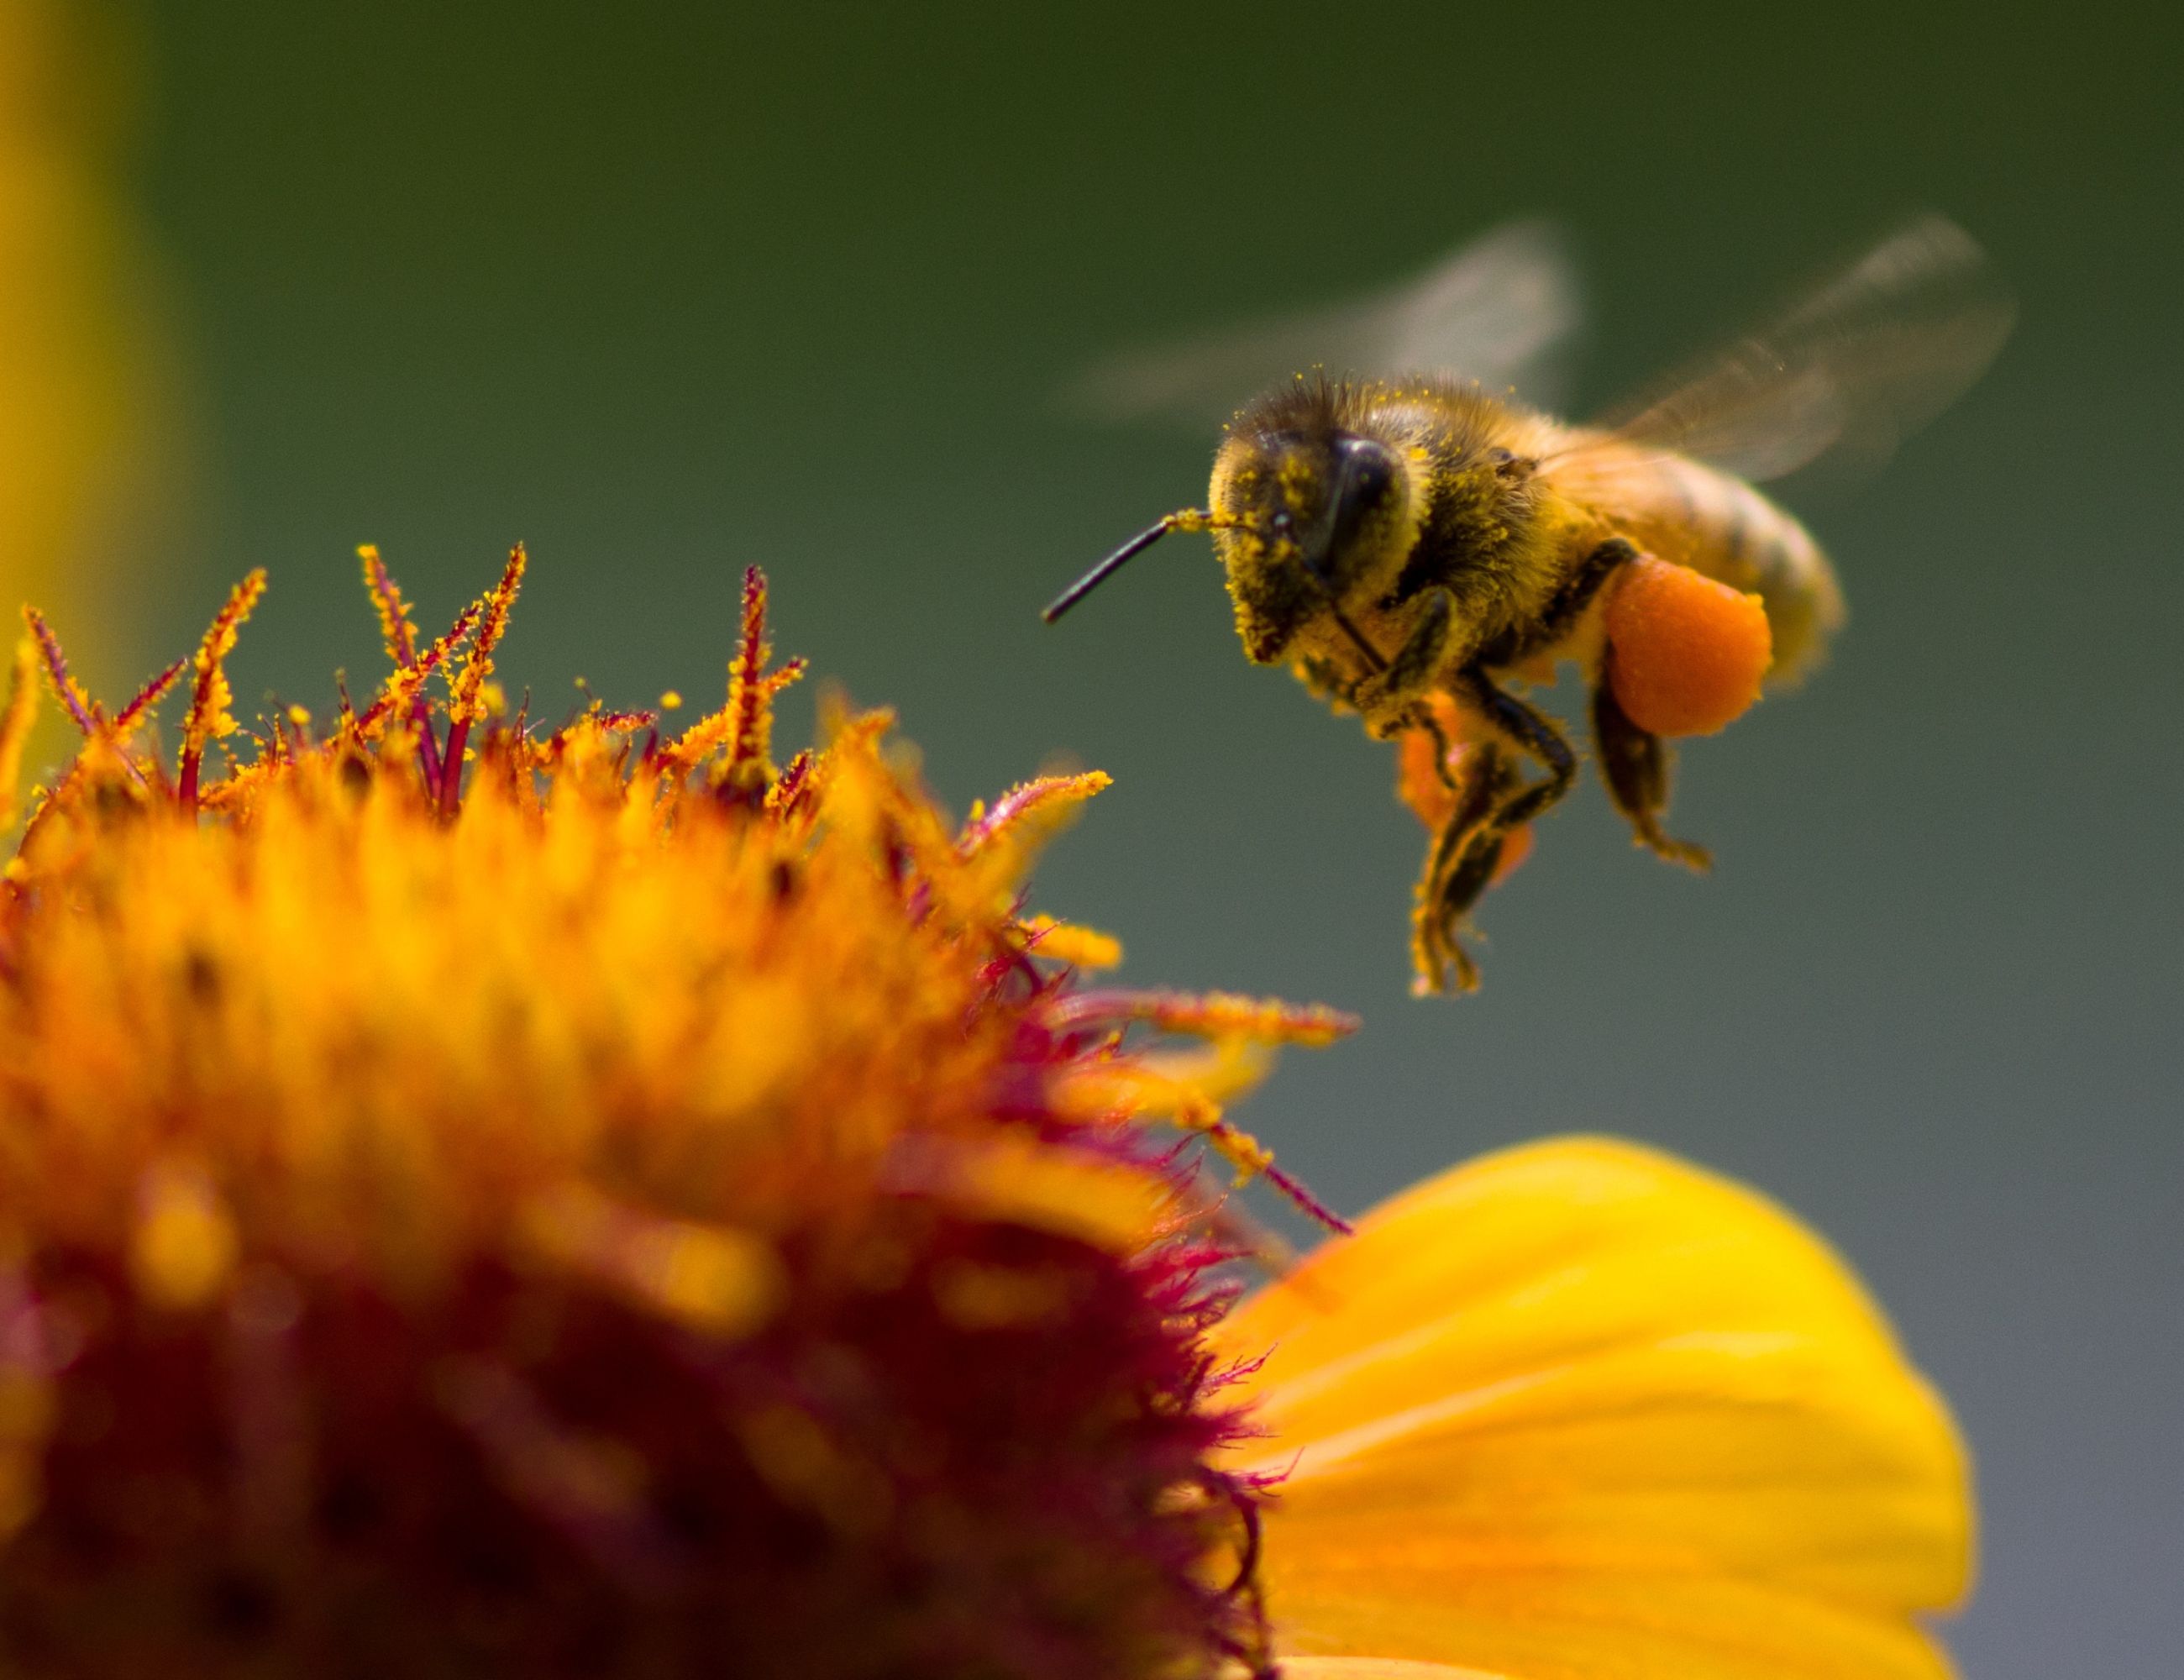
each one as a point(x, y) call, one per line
point(1686, 655)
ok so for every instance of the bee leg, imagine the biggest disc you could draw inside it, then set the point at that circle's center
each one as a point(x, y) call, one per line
point(1324, 679)
point(1419, 657)
point(1392, 693)
point(1470, 848)
point(1535, 734)
point(1446, 888)
point(1635, 766)
point(1443, 912)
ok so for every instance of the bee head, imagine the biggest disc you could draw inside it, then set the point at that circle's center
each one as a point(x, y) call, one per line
point(1308, 510)
point(1305, 520)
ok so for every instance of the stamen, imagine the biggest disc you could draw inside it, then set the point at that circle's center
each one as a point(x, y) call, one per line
point(126, 721)
point(1030, 808)
point(744, 727)
point(65, 687)
point(751, 690)
point(466, 693)
point(1212, 1015)
point(407, 685)
point(394, 621)
point(210, 697)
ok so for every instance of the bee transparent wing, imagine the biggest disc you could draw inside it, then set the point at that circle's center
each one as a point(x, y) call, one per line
point(1498, 311)
point(1844, 376)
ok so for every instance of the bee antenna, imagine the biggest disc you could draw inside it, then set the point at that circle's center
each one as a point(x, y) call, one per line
point(1190, 519)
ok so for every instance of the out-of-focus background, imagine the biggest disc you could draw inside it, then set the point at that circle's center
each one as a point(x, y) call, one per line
point(89, 437)
point(664, 289)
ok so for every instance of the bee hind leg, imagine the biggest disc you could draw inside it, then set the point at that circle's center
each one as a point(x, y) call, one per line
point(1636, 766)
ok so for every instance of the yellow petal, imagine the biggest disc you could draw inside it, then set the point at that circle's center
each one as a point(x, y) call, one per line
point(1375, 1668)
point(1530, 1624)
point(1580, 1410)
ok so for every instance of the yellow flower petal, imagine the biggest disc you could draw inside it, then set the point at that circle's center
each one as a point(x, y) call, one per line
point(1536, 1626)
point(1375, 1668)
point(1580, 1410)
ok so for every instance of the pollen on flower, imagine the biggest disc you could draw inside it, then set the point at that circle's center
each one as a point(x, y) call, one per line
point(488, 1196)
point(1064, 942)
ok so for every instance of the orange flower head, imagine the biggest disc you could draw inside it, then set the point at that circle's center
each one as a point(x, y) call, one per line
point(484, 1199)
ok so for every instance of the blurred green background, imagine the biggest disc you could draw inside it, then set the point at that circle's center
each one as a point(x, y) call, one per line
point(667, 288)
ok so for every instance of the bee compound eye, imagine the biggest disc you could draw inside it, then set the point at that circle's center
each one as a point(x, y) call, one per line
point(1367, 471)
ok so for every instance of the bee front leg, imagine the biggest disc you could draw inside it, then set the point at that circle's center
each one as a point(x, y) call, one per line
point(1636, 764)
point(1392, 694)
point(1419, 657)
point(1324, 678)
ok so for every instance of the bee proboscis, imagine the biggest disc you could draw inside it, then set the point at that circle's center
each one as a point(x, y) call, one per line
point(1418, 546)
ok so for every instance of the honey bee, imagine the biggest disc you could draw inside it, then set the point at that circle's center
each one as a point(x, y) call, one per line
point(1418, 546)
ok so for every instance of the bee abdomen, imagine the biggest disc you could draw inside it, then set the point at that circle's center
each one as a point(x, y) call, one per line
point(1721, 526)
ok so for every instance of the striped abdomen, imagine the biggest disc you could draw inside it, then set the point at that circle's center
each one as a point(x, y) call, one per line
point(1685, 512)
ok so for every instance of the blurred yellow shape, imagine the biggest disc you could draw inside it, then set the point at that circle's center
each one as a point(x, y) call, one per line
point(84, 368)
point(184, 1247)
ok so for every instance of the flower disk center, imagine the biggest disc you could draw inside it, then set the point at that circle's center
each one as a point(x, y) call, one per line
point(484, 1199)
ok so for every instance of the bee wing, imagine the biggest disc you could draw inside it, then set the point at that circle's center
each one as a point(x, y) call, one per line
point(1867, 358)
point(1496, 310)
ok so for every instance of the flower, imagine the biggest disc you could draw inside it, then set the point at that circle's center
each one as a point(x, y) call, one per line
point(1578, 1411)
point(482, 1198)
point(489, 1199)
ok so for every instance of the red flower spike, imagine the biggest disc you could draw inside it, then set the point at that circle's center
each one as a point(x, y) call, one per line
point(65, 688)
point(466, 693)
point(407, 685)
point(210, 718)
point(1030, 805)
point(1214, 1014)
point(131, 716)
point(744, 725)
point(751, 689)
point(394, 620)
